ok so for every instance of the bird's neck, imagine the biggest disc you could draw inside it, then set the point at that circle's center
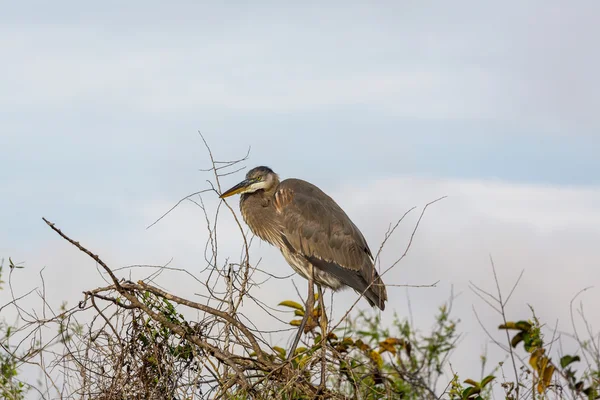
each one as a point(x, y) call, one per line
point(262, 197)
point(257, 210)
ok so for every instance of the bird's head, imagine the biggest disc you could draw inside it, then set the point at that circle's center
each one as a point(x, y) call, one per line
point(259, 178)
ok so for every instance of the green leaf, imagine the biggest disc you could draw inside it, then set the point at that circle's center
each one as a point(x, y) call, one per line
point(299, 313)
point(487, 380)
point(529, 342)
point(468, 392)
point(12, 264)
point(523, 325)
point(296, 322)
point(518, 338)
point(566, 360)
point(292, 304)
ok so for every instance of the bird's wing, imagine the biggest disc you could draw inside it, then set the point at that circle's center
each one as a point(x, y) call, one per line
point(315, 226)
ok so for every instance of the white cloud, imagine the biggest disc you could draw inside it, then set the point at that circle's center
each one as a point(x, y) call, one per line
point(470, 62)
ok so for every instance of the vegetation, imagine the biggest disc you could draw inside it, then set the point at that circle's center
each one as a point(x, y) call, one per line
point(140, 346)
point(135, 340)
point(10, 386)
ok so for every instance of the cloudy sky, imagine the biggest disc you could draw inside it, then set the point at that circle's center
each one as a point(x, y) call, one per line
point(385, 107)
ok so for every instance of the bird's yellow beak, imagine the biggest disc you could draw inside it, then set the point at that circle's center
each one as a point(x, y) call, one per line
point(239, 188)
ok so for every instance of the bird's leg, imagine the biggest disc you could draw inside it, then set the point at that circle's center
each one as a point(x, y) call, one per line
point(308, 310)
point(323, 321)
point(323, 318)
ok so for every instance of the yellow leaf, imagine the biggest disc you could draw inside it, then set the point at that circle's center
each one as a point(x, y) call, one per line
point(471, 382)
point(302, 362)
point(545, 378)
point(300, 350)
point(394, 341)
point(543, 368)
point(386, 346)
point(535, 358)
point(348, 341)
point(292, 304)
point(390, 344)
point(280, 352)
point(519, 325)
point(296, 322)
point(360, 345)
point(376, 357)
point(508, 325)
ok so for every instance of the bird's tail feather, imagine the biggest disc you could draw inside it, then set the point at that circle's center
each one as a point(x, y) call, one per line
point(376, 295)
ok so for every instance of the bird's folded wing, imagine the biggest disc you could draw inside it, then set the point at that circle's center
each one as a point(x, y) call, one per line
point(315, 226)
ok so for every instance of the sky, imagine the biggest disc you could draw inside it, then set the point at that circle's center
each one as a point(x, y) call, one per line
point(384, 106)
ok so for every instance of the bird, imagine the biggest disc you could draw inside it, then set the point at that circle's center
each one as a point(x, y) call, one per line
point(315, 236)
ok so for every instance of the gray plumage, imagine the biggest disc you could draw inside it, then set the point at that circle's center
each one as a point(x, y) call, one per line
point(309, 227)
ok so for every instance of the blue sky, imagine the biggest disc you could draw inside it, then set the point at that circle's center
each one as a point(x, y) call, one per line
point(472, 91)
point(384, 106)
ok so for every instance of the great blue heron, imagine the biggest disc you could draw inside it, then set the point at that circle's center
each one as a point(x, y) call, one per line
point(314, 234)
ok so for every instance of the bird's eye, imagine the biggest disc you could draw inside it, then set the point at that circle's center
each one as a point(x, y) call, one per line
point(258, 178)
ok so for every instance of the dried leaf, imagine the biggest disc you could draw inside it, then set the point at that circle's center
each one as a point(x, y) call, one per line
point(389, 344)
